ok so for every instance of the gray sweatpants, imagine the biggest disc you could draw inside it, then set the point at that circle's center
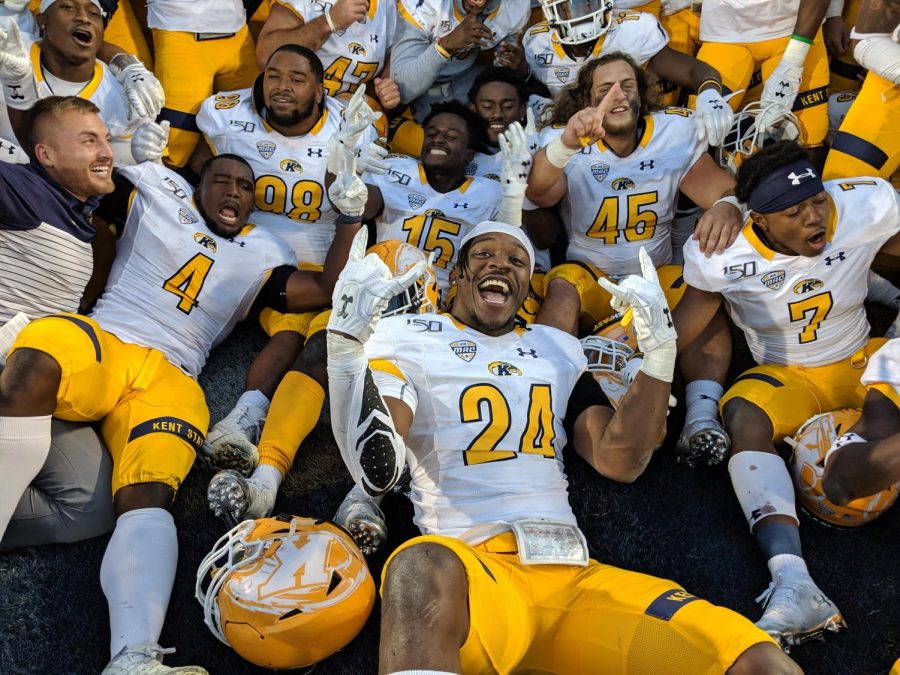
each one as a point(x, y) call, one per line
point(71, 498)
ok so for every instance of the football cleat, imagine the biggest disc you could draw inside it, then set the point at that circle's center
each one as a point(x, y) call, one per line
point(231, 443)
point(146, 659)
point(285, 592)
point(797, 611)
point(363, 519)
point(234, 498)
point(703, 441)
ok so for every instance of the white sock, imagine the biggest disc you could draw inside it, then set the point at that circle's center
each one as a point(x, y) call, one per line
point(24, 446)
point(787, 565)
point(702, 398)
point(762, 485)
point(883, 291)
point(267, 477)
point(361, 495)
point(137, 575)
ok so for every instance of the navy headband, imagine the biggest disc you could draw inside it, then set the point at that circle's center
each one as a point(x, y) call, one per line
point(784, 187)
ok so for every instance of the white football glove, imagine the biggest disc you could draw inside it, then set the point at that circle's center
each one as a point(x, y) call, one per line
point(783, 84)
point(653, 324)
point(357, 117)
point(513, 173)
point(713, 117)
point(149, 141)
point(348, 194)
point(15, 5)
point(16, 71)
point(364, 289)
point(372, 158)
point(144, 95)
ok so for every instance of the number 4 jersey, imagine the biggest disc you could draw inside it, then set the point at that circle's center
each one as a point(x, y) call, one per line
point(614, 205)
point(799, 310)
point(175, 285)
point(485, 445)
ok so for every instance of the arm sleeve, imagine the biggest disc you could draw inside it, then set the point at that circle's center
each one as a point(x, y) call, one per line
point(415, 63)
point(273, 294)
point(587, 393)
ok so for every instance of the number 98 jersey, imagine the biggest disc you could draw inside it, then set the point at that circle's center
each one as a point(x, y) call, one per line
point(291, 199)
point(799, 310)
point(485, 445)
point(614, 205)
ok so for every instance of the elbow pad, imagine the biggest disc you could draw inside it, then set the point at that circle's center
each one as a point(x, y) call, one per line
point(375, 454)
point(881, 55)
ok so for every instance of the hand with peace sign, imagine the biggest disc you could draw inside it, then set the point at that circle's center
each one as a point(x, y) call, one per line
point(653, 324)
point(364, 289)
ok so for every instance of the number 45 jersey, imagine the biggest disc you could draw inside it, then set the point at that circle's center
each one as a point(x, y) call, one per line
point(485, 445)
point(799, 310)
point(175, 285)
point(614, 205)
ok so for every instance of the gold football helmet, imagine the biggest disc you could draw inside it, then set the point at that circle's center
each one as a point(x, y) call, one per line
point(422, 296)
point(285, 593)
point(747, 137)
point(811, 444)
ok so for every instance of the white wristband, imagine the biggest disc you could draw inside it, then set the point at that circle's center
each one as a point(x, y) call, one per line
point(731, 199)
point(330, 21)
point(795, 52)
point(660, 362)
point(558, 153)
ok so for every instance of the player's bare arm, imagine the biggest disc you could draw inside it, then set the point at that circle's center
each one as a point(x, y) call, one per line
point(878, 16)
point(707, 184)
point(283, 26)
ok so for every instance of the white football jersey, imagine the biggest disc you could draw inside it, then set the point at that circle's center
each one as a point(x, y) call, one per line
point(884, 366)
point(485, 445)
point(197, 16)
point(745, 21)
point(438, 18)
point(103, 90)
point(291, 199)
point(165, 289)
point(416, 213)
point(638, 34)
point(355, 55)
point(798, 310)
point(614, 205)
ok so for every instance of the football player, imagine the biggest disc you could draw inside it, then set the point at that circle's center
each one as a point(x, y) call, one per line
point(794, 282)
point(64, 62)
point(868, 142)
point(616, 169)
point(282, 126)
point(866, 459)
point(574, 35)
point(439, 42)
point(201, 47)
point(481, 412)
point(784, 41)
point(353, 39)
point(198, 267)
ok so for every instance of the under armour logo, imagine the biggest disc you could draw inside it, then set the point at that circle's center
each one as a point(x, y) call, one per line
point(463, 205)
point(839, 257)
point(795, 177)
point(530, 352)
point(668, 318)
point(647, 165)
point(314, 152)
point(9, 149)
point(717, 106)
point(239, 243)
point(14, 92)
point(373, 37)
point(342, 312)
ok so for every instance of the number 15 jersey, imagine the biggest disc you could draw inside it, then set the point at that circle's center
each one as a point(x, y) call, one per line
point(799, 310)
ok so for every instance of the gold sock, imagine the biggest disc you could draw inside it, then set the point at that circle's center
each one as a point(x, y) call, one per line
point(292, 416)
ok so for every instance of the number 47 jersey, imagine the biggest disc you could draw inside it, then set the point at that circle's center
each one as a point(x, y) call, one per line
point(799, 310)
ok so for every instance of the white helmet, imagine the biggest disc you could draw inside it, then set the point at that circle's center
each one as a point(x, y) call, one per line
point(578, 21)
point(746, 138)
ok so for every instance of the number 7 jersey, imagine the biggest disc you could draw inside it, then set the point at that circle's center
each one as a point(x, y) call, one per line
point(799, 310)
